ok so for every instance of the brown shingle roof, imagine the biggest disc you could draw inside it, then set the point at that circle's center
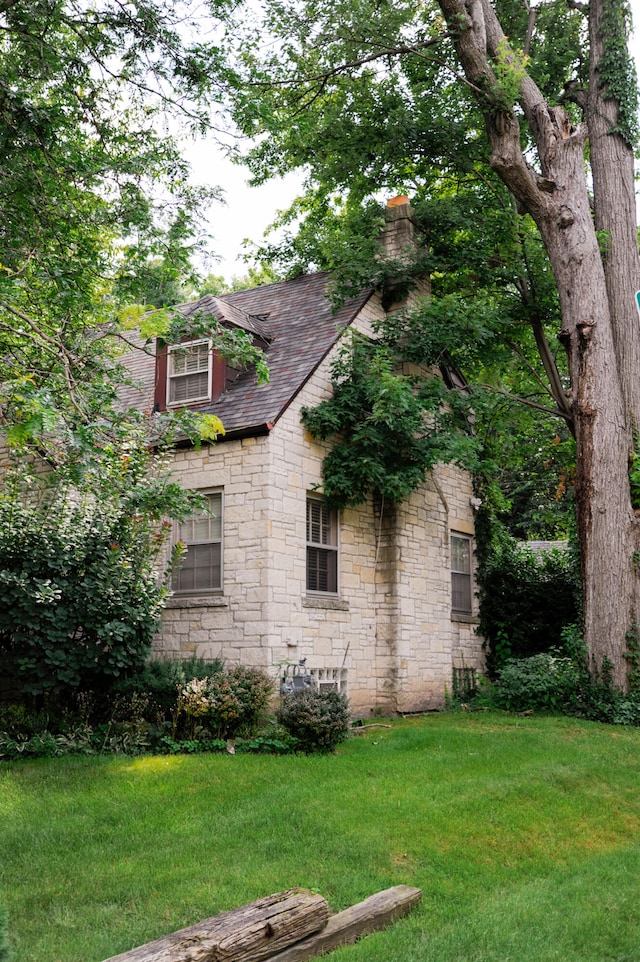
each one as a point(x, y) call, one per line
point(296, 318)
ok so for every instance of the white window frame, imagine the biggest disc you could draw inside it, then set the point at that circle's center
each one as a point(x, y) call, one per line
point(173, 378)
point(212, 536)
point(322, 548)
point(461, 571)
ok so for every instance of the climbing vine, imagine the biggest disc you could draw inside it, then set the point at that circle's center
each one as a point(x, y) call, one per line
point(617, 69)
point(389, 428)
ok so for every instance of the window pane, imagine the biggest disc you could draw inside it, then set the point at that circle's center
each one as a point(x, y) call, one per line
point(321, 523)
point(460, 592)
point(188, 387)
point(461, 587)
point(322, 570)
point(460, 554)
point(189, 359)
point(322, 562)
point(201, 565)
point(200, 569)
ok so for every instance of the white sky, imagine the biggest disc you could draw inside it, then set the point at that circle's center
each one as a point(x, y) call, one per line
point(249, 210)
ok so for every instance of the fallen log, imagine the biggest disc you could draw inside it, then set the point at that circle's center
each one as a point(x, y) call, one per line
point(373, 914)
point(250, 933)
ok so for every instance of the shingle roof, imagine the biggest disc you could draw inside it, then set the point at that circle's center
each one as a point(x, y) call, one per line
point(295, 317)
point(230, 313)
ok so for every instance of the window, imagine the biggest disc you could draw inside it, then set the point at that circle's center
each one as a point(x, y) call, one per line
point(201, 565)
point(461, 573)
point(189, 372)
point(322, 547)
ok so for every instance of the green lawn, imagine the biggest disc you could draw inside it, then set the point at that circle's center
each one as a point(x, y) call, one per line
point(523, 834)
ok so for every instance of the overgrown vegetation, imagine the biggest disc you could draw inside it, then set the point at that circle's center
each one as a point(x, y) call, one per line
point(80, 597)
point(527, 599)
point(173, 707)
point(389, 428)
point(562, 681)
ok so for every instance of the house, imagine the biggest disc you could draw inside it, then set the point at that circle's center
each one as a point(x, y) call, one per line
point(381, 608)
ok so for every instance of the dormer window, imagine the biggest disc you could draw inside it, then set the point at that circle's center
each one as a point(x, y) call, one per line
point(189, 372)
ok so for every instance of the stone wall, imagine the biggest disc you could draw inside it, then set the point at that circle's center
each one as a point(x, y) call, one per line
point(390, 626)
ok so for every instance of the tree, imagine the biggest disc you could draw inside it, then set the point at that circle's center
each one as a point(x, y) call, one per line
point(96, 214)
point(96, 205)
point(372, 96)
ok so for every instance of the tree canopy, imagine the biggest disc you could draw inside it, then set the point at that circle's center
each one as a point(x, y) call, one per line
point(481, 112)
point(96, 197)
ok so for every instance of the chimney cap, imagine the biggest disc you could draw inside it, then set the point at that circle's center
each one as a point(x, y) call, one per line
point(400, 201)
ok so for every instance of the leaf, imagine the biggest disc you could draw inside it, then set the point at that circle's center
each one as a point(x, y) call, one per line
point(209, 427)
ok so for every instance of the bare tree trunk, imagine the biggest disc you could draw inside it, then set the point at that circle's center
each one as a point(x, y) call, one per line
point(595, 324)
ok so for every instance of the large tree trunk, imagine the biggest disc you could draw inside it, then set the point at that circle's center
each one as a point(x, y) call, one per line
point(597, 322)
point(612, 168)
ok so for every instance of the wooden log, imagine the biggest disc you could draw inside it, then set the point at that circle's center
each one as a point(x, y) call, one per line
point(247, 934)
point(373, 914)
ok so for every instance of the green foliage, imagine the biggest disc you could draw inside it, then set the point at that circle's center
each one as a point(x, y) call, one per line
point(226, 703)
point(96, 195)
point(80, 596)
point(166, 705)
point(510, 69)
point(318, 721)
point(255, 276)
point(526, 600)
point(632, 658)
point(634, 477)
point(390, 428)
point(542, 682)
point(565, 682)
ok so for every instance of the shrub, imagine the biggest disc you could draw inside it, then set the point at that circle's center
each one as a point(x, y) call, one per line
point(80, 596)
point(526, 600)
point(544, 682)
point(227, 702)
point(160, 680)
point(317, 720)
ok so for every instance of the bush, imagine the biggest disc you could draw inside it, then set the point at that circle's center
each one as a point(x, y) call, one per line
point(160, 680)
point(80, 548)
point(168, 703)
point(544, 682)
point(561, 681)
point(526, 601)
point(226, 703)
point(317, 720)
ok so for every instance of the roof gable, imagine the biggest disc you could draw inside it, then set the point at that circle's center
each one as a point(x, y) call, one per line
point(295, 321)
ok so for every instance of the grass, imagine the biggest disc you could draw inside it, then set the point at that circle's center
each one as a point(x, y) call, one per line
point(523, 834)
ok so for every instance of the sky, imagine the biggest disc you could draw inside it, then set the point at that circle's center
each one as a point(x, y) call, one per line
point(249, 210)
